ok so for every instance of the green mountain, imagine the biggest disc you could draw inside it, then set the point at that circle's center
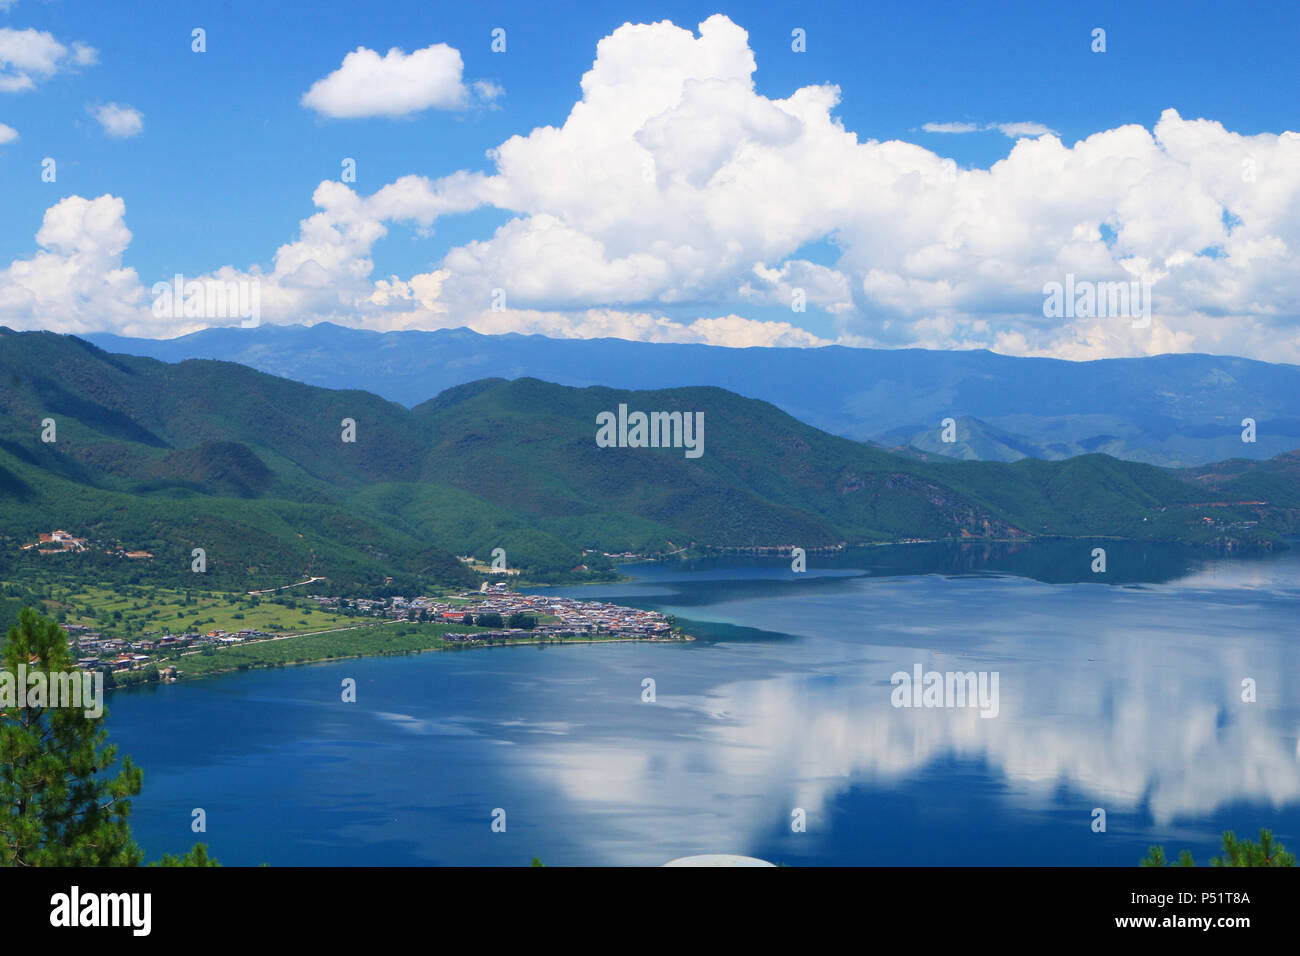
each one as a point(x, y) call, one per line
point(768, 479)
point(211, 455)
point(1174, 410)
point(255, 470)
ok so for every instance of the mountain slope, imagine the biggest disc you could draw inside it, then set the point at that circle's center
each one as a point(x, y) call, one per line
point(168, 458)
point(255, 469)
point(1176, 410)
point(767, 479)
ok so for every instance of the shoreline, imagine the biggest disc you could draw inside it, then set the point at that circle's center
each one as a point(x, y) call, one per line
point(446, 646)
point(1260, 546)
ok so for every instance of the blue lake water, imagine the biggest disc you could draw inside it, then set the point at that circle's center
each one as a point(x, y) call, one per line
point(1121, 696)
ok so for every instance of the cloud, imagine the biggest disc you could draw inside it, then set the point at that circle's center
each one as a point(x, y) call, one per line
point(738, 332)
point(952, 127)
point(486, 90)
point(7, 134)
point(795, 280)
point(76, 282)
point(1017, 130)
point(730, 330)
point(29, 56)
point(674, 196)
point(120, 122)
point(1010, 130)
point(396, 84)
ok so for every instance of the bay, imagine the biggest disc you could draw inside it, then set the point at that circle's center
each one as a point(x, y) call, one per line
point(1120, 692)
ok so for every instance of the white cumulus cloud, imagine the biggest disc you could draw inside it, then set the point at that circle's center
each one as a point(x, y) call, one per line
point(396, 84)
point(29, 56)
point(76, 282)
point(674, 197)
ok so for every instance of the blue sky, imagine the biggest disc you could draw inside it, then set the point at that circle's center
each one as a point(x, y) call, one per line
point(224, 167)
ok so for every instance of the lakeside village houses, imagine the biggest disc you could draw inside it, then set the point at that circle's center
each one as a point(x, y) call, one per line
point(95, 651)
point(573, 618)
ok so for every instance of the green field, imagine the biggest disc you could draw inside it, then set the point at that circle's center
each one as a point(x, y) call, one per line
point(360, 640)
point(128, 611)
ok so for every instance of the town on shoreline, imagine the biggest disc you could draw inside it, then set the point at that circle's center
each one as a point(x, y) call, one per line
point(493, 615)
point(535, 615)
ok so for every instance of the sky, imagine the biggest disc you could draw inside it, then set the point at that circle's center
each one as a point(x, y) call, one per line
point(913, 174)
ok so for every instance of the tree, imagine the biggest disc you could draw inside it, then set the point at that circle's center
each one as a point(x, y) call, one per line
point(1249, 853)
point(60, 804)
point(490, 619)
point(468, 619)
point(196, 857)
point(1156, 857)
point(521, 620)
point(1235, 853)
point(60, 808)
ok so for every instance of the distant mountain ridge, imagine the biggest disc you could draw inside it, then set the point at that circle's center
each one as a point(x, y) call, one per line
point(255, 469)
point(1172, 410)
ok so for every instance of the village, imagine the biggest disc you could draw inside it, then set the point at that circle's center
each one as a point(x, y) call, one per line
point(494, 613)
point(96, 651)
point(498, 604)
point(62, 542)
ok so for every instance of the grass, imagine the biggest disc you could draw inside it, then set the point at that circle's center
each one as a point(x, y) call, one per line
point(364, 640)
point(133, 611)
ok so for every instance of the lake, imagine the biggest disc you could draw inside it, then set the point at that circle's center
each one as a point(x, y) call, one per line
point(1120, 692)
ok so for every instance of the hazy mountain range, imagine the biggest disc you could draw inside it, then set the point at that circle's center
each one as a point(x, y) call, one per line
point(255, 469)
point(1174, 410)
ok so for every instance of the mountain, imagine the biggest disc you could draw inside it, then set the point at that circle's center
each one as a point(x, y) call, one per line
point(168, 458)
point(1173, 410)
point(256, 470)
